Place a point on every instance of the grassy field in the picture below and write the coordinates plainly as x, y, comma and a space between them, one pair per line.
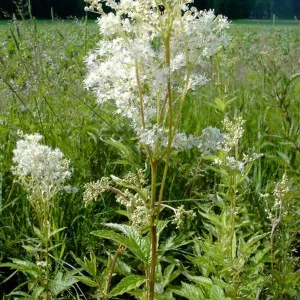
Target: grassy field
256, 77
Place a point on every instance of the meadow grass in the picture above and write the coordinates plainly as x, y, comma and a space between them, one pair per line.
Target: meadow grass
41, 90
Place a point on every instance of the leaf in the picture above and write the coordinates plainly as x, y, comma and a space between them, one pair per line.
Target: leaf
167, 295
87, 281
24, 266
126, 229
122, 268
167, 274
161, 225
111, 235
295, 76
31, 250
56, 231
38, 233
19, 293
284, 157
175, 241
139, 245
127, 284
211, 217
37, 292
216, 293
190, 292
204, 281
253, 240
129, 155
62, 282
88, 265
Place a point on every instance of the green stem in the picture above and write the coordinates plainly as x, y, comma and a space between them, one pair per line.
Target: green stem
155, 209
153, 262
46, 231
112, 267
153, 231
274, 226
233, 186
170, 127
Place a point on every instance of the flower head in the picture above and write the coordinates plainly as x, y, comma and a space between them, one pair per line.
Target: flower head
234, 131
130, 67
40, 167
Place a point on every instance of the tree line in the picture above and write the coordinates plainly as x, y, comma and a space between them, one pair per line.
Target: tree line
234, 9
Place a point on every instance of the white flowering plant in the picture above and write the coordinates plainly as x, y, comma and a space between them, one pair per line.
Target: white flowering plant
151, 55
42, 172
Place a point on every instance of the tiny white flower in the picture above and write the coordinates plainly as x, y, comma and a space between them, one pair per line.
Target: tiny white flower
217, 161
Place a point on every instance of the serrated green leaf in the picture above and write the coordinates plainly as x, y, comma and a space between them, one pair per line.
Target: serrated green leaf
30, 249
38, 233
88, 265
189, 291
136, 242
200, 280
62, 282
256, 238
122, 268
19, 293
24, 266
167, 295
87, 281
127, 284
111, 235
167, 274
24, 263
37, 292
216, 293
175, 241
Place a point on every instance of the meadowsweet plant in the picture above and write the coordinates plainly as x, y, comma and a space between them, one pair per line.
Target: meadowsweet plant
42, 172
233, 167
151, 55
283, 215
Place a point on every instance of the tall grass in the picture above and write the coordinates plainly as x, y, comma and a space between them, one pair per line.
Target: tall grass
41, 90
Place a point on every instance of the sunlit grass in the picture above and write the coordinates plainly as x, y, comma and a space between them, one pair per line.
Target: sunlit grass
41, 90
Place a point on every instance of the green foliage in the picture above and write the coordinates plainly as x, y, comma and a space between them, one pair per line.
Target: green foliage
41, 73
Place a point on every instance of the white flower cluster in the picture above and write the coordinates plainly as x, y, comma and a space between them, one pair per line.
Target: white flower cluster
39, 167
137, 208
92, 190
181, 216
210, 140
281, 189
133, 194
130, 68
234, 131
276, 209
239, 165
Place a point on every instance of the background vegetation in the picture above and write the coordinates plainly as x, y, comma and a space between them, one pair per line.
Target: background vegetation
234, 9
257, 77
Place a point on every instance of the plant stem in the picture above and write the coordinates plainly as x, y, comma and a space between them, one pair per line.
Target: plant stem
153, 262
153, 231
274, 226
112, 267
46, 231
